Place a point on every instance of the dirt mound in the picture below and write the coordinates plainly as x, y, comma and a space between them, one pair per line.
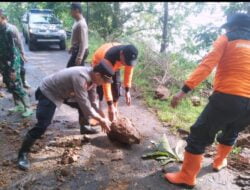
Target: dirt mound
70, 142
69, 156
124, 131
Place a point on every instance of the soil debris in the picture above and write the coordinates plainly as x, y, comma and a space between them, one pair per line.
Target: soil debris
68, 157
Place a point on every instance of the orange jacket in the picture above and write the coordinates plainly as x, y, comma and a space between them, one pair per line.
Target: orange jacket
232, 58
128, 70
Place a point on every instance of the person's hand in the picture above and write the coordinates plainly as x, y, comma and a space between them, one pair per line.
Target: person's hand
177, 98
105, 125
128, 98
13, 76
78, 61
24, 58
112, 113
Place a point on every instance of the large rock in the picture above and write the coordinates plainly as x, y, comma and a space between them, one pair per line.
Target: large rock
124, 131
162, 93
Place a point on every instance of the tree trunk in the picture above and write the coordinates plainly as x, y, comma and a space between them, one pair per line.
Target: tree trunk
116, 13
164, 32
87, 17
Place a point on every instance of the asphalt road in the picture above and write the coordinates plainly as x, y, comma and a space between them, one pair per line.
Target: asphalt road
96, 167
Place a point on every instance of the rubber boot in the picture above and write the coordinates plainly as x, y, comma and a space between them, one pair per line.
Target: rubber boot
23, 161
28, 112
220, 159
18, 108
190, 169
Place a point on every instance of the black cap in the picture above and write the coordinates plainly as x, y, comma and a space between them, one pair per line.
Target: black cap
76, 6
130, 53
237, 19
105, 70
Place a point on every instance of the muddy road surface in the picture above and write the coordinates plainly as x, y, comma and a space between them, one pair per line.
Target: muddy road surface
98, 163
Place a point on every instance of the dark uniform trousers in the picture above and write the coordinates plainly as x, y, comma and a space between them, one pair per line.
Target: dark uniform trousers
72, 59
44, 114
226, 113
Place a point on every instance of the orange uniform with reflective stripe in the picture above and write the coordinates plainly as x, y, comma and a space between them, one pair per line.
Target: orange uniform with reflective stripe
232, 59
128, 70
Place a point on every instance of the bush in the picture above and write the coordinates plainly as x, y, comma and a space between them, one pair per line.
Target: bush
170, 70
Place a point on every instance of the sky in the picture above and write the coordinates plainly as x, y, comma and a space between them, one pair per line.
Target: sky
206, 17
217, 18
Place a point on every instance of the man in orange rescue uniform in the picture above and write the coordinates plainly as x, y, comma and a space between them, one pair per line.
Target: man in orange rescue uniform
117, 56
228, 109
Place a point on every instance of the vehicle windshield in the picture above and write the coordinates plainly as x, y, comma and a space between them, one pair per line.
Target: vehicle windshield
43, 19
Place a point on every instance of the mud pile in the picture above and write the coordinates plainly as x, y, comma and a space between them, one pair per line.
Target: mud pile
124, 131
69, 156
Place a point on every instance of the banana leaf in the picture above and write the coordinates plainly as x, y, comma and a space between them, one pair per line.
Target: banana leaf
164, 162
154, 155
179, 150
163, 146
162, 158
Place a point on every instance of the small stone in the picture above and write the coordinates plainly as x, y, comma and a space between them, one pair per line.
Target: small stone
65, 172
196, 101
6, 163
86, 139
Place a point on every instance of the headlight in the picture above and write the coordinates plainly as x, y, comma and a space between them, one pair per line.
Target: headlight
61, 31
34, 30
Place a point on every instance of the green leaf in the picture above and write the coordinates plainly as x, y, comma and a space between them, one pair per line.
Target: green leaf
154, 155
164, 146
179, 150
164, 162
162, 158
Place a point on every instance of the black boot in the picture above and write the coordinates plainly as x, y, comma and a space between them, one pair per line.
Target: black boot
86, 129
23, 161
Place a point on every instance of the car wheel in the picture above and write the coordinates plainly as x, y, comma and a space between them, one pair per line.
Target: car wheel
62, 45
32, 46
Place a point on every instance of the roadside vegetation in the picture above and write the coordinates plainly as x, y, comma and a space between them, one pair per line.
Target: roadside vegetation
141, 23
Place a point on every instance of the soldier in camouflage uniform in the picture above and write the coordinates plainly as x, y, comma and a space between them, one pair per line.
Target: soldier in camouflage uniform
10, 67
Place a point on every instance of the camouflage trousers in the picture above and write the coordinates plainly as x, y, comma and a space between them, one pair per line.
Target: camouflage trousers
15, 87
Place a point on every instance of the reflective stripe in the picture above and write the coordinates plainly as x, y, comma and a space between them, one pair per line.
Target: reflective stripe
48, 40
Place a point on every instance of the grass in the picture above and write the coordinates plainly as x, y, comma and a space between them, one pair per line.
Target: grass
185, 114
94, 42
236, 150
181, 117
